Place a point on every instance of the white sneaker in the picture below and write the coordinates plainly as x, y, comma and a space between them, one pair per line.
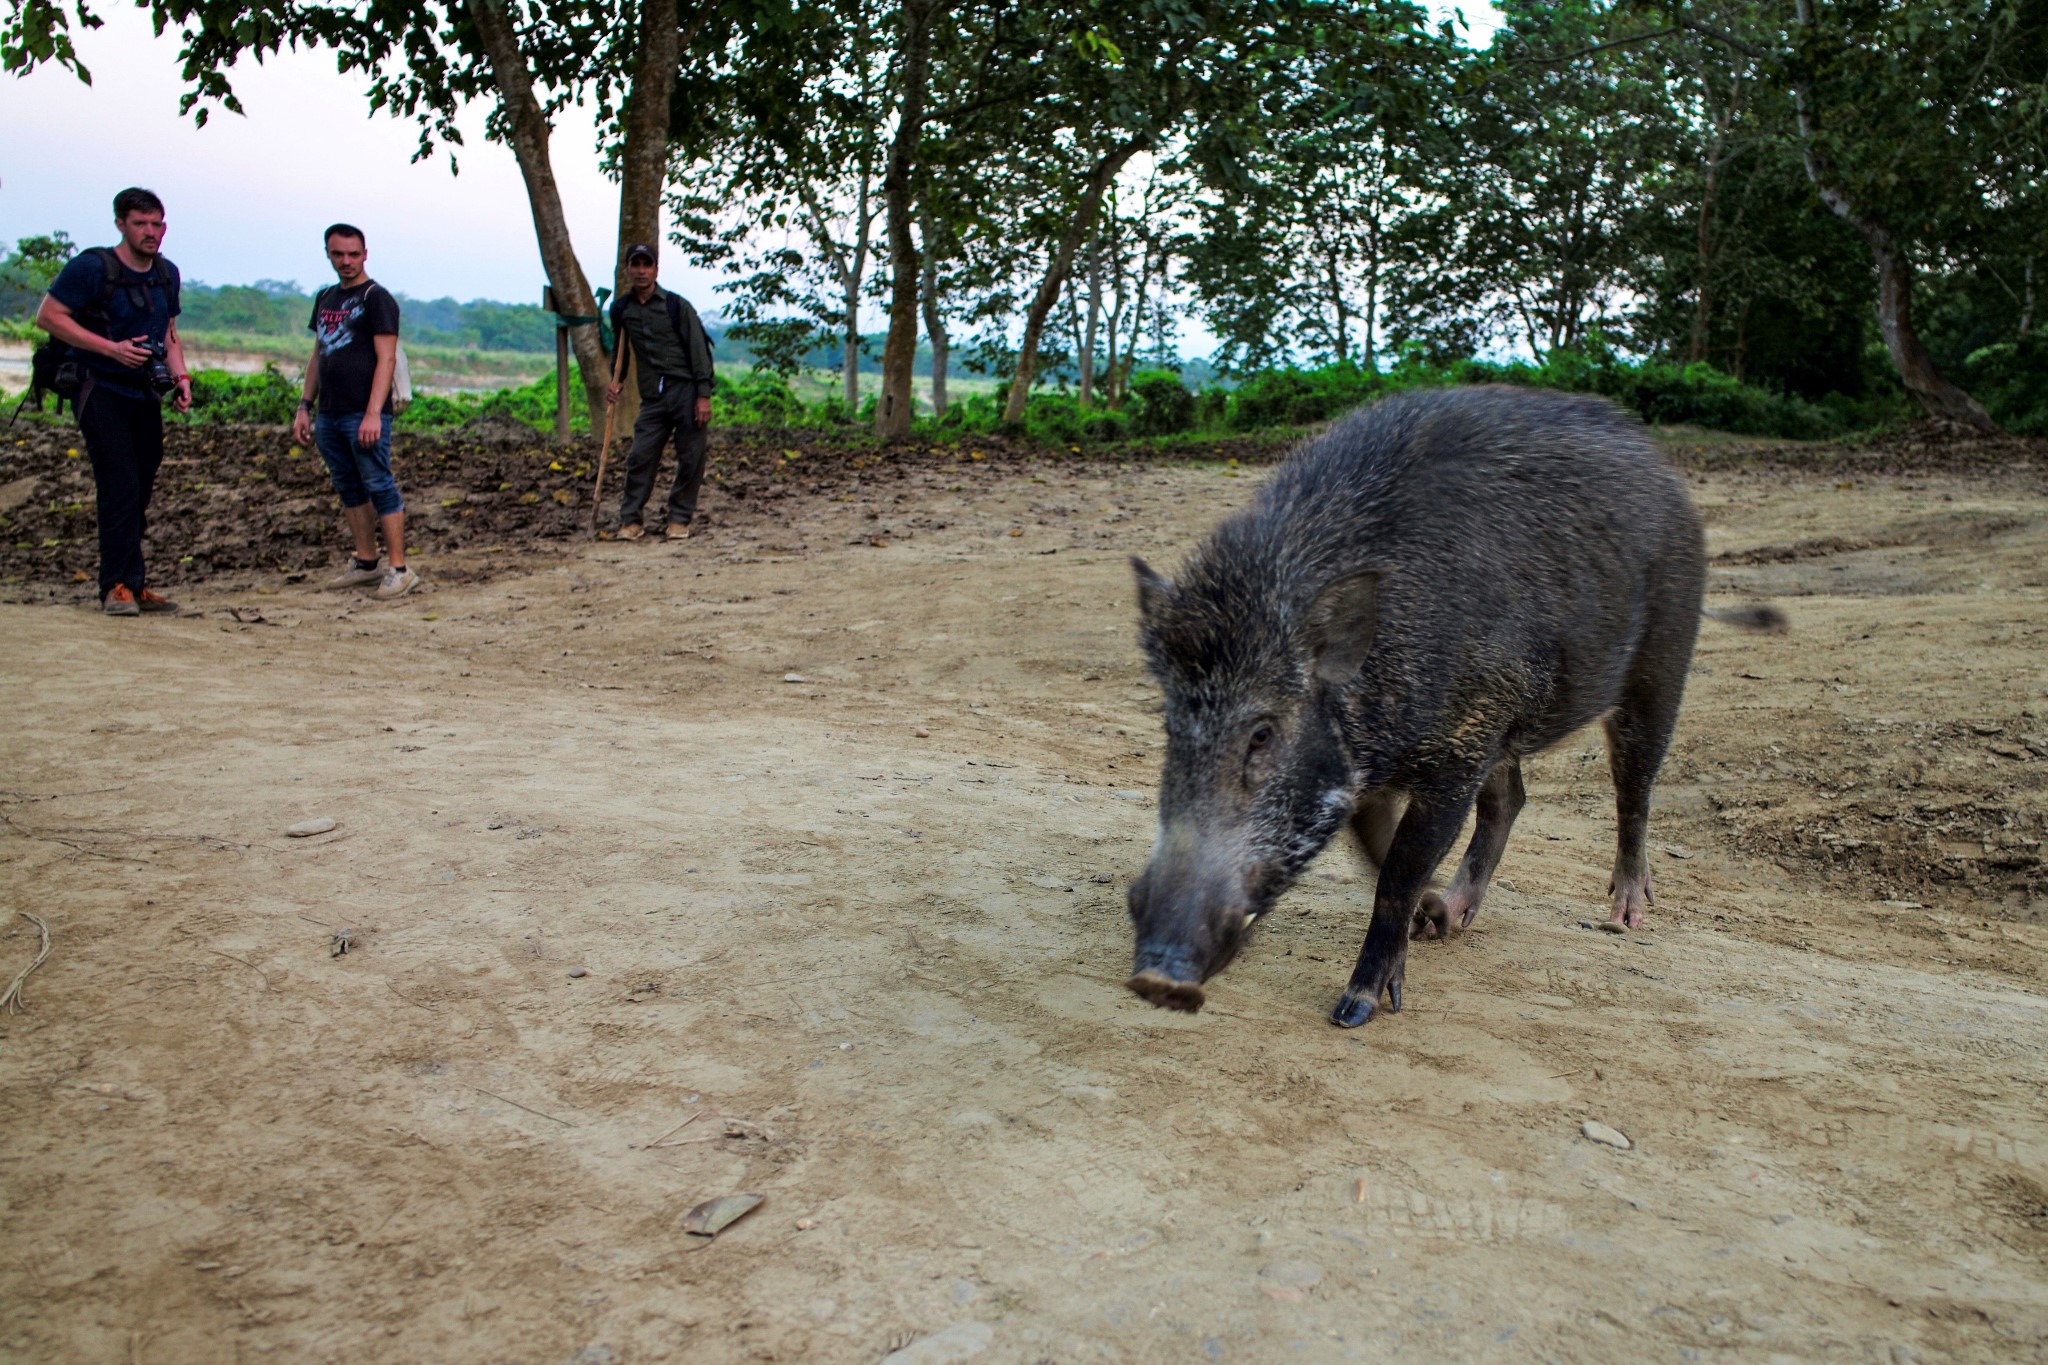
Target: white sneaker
352, 577
397, 583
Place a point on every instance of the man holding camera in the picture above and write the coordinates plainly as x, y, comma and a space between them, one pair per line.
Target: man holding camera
115, 307
355, 355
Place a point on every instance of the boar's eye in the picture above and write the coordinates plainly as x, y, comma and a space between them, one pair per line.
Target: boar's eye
1261, 736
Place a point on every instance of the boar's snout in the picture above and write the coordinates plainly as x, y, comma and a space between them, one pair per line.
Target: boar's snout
1166, 987
1188, 926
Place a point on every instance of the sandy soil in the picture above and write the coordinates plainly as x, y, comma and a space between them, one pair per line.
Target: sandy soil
791, 860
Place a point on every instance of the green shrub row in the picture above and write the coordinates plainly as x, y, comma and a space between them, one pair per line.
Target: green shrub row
1661, 392
270, 396
2010, 379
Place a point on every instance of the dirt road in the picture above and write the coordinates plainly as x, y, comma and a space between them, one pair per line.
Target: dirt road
791, 860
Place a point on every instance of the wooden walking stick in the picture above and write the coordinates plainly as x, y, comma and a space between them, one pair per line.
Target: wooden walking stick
611, 413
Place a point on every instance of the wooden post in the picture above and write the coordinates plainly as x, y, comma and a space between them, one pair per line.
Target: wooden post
547, 301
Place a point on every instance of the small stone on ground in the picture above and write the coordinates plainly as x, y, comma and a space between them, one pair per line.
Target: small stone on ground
305, 828
961, 1341
1595, 1131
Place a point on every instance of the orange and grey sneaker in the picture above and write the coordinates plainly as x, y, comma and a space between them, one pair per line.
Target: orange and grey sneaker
632, 530
120, 602
153, 603
678, 530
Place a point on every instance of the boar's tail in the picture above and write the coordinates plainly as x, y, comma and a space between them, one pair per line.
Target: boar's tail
1755, 616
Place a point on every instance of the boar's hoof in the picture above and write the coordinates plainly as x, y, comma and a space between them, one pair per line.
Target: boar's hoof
1433, 917
1354, 1009
1164, 991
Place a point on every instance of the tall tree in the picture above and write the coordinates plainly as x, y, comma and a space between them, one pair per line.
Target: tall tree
1919, 123
779, 176
527, 130
1550, 191
895, 409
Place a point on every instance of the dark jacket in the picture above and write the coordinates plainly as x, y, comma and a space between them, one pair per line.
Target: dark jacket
689, 331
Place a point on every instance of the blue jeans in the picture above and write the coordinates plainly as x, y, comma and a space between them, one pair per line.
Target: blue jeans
358, 472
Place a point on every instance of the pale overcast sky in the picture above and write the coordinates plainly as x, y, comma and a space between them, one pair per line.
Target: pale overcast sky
248, 196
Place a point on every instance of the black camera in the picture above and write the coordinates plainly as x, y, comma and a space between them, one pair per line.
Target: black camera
156, 370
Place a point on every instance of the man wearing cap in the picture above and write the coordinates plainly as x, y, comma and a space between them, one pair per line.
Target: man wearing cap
672, 359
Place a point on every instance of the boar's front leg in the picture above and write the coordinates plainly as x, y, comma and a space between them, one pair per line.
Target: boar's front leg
1501, 798
1425, 834
1373, 824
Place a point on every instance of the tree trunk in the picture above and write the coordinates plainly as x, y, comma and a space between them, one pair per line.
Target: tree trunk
899, 352
1110, 328
1937, 396
1137, 339
1078, 227
852, 272
527, 127
1930, 388
643, 162
934, 321
849, 359
1088, 327
1372, 299
1343, 313
1703, 295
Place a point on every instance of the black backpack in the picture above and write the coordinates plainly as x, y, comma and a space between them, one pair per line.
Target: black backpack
56, 368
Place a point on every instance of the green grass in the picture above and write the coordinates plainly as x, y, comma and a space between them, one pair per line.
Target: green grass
429, 363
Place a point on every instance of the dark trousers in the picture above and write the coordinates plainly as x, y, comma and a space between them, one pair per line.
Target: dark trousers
672, 414
125, 438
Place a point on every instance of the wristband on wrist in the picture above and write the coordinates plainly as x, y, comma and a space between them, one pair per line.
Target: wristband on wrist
305, 405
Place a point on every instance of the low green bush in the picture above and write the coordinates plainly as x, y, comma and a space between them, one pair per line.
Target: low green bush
1160, 404
2011, 381
1058, 419
1291, 397
266, 396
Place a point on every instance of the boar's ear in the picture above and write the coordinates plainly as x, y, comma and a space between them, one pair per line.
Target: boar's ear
1152, 589
1341, 626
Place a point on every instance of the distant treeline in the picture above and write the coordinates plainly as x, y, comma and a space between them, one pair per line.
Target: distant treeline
279, 308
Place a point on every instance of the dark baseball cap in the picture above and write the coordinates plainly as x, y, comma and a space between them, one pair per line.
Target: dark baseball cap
639, 249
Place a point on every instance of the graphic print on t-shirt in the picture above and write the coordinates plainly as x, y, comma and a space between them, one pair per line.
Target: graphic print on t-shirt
335, 327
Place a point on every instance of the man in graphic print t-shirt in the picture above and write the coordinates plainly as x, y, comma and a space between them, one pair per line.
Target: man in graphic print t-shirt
355, 355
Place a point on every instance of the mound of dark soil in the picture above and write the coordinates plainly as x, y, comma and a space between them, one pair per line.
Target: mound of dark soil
1916, 448
247, 500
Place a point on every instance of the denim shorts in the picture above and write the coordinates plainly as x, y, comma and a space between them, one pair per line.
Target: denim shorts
359, 473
